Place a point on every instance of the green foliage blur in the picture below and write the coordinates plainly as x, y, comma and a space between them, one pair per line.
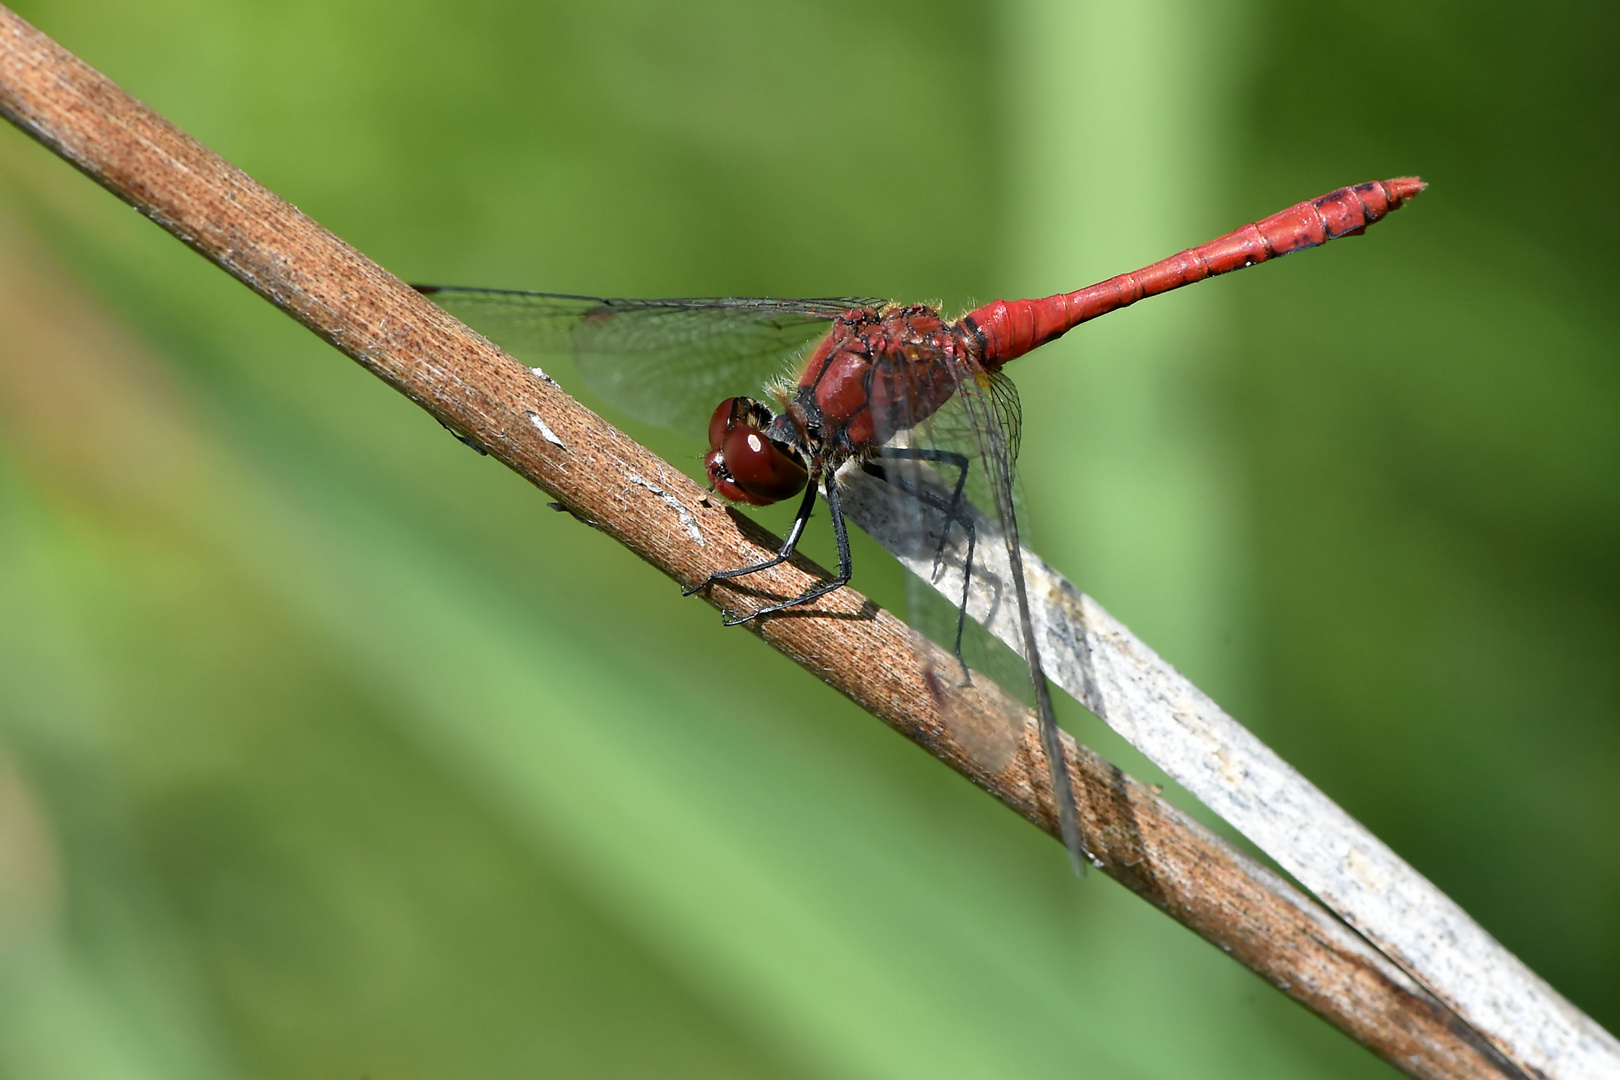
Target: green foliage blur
326, 749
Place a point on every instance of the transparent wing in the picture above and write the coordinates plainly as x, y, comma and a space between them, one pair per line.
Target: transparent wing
1002, 397
990, 404
967, 536
939, 513
983, 424
668, 362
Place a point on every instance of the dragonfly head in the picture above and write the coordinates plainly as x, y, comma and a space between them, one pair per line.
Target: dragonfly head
746, 465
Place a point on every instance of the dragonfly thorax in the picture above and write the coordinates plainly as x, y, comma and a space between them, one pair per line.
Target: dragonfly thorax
879, 373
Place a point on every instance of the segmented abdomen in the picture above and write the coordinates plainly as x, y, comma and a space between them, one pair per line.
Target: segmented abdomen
1009, 329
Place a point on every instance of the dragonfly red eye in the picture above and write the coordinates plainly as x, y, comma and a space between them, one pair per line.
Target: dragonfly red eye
744, 465
720, 423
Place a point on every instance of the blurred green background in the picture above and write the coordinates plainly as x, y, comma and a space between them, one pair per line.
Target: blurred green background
327, 750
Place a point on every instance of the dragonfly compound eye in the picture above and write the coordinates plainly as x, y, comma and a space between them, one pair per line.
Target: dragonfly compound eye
725, 416
749, 468
735, 412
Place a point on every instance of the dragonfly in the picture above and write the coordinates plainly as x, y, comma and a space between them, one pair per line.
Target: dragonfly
898, 391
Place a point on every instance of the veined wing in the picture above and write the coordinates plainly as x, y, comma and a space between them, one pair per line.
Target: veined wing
978, 432
981, 424
668, 362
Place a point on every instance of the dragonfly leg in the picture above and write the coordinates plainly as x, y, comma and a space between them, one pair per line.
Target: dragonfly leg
835, 511
952, 510
800, 519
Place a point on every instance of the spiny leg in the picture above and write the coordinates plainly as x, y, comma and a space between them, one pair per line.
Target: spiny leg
952, 512
835, 511
800, 519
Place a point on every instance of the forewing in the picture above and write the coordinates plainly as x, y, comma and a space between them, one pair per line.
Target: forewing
668, 362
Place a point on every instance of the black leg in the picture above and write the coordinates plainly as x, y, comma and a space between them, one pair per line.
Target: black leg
952, 511
800, 519
835, 511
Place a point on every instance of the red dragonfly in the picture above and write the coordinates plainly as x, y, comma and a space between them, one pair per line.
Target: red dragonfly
895, 390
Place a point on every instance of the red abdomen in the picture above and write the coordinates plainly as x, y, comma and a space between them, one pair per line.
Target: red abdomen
1009, 329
